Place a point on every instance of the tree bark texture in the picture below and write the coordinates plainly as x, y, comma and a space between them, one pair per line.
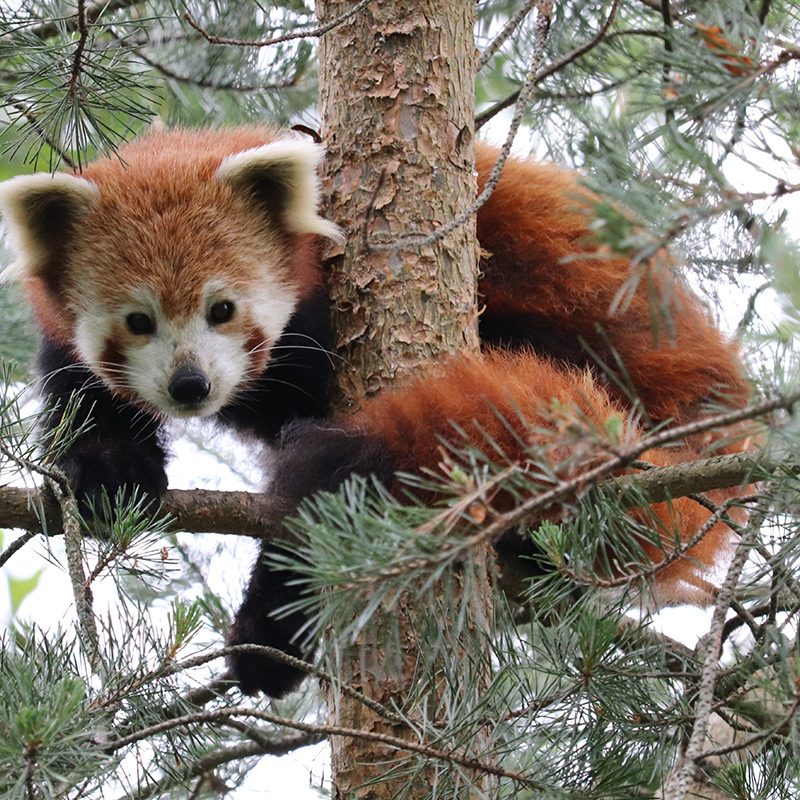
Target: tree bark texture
397, 106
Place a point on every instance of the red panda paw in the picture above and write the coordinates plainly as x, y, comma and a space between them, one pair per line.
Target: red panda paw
261, 621
106, 477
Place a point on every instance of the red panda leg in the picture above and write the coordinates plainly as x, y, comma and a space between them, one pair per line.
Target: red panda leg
512, 400
311, 457
118, 449
518, 401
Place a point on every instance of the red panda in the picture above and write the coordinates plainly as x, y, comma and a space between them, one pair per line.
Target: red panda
182, 277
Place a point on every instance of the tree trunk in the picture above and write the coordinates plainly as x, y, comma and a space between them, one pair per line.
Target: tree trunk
397, 118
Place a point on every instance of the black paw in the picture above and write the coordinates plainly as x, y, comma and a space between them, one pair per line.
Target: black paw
255, 624
103, 476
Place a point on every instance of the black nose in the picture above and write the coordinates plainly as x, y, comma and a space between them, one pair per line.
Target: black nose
189, 384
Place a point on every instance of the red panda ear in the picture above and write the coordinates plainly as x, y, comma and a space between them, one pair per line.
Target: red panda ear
40, 213
282, 177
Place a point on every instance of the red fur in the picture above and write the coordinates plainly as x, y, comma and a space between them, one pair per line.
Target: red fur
506, 403
542, 270
545, 268
162, 214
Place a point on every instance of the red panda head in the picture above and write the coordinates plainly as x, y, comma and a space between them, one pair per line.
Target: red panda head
173, 268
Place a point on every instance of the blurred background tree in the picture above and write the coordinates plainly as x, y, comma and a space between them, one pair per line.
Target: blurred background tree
685, 119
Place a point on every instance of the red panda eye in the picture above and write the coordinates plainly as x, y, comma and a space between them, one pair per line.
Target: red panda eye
221, 312
140, 324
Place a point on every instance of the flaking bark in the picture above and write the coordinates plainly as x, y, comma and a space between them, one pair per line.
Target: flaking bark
396, 96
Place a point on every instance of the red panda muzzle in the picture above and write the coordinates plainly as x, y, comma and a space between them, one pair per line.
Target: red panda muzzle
189, 385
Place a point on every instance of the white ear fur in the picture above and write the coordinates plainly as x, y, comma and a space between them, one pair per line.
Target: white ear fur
284, 172
38, 211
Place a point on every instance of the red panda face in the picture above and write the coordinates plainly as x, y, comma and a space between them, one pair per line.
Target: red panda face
173, 270
186, 363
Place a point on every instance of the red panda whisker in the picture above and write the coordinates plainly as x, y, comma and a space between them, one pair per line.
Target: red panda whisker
332, 355
318, 345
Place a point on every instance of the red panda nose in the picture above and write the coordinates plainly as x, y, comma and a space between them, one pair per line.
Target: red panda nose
189, 384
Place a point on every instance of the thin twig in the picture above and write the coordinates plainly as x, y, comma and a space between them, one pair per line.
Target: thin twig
50, 473
30, 768
77, 61
402, 745
302, 33
210, 761
744, 617
756, 737
81, 591
42, 133
749, 312
205, 83
653, 569
195, 793
511, 25
681, 778
655, 5
226, 681
16, 545
556, 66
296, 663
52, 27
666, 89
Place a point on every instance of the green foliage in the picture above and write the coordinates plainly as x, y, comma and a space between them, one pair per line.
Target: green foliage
20, 588
70, 94
48, 727
16, 332
685, 119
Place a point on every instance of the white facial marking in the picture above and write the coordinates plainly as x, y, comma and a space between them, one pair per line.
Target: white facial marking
220, 351
271, 306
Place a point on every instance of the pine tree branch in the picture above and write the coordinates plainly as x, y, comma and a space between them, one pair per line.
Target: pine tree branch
207, 83
301, 33
246, 513
197, 510
77, 61
666, 483
680, 781
43, 134
220, 716
275, 654
53, 27
556, 66
265, 745
510, 27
